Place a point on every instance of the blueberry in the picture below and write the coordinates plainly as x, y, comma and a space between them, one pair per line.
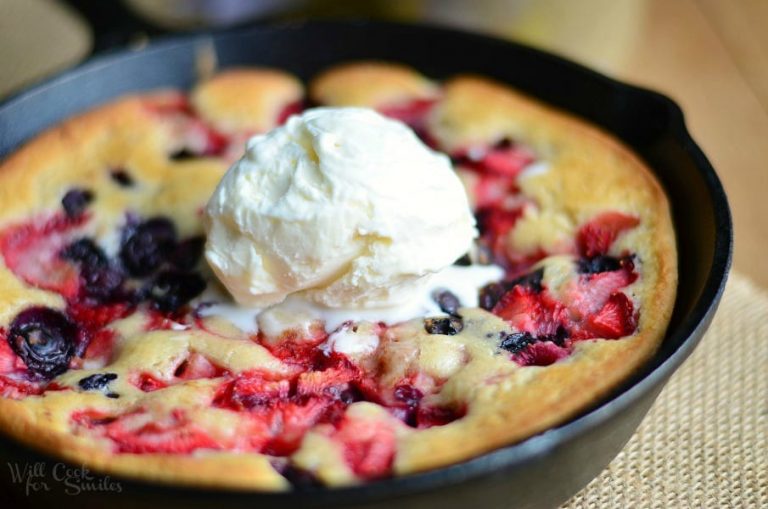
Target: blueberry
596, 264
300, 479
121, 177
99, 280
85, 251
490, 295
172, 289
102, 284
531, 280
97, 381
447, 325
147, 245
515, 341
183, 154
76, 201
558, 338
187, 253
44, 339
447, 301
350, 395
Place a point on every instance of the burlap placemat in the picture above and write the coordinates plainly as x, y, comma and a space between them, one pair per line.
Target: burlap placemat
704, 443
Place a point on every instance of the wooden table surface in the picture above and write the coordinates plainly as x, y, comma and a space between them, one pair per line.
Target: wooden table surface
709, 55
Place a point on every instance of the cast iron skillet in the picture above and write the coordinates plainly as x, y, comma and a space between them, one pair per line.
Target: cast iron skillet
543, 471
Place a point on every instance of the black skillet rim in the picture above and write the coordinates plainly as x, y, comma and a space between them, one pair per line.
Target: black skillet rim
688, 333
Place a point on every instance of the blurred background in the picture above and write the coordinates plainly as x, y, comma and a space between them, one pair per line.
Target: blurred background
709, 55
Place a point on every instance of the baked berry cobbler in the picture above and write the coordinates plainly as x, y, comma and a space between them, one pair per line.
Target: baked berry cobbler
121, 349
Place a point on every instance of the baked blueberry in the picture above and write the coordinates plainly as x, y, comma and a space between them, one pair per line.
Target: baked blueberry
76, 201
447, 325
121, 177
447, 301
97, 381
147, 245
172, 289
44, 339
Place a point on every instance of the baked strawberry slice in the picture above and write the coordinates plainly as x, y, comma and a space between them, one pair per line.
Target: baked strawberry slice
252, 389
614, 320
197, 366
288, 422
507, 159
94, 317
492, 190
9, 361
369, 446
147, 382
290, 109
589, 292
495, 224
428, 416
542, 353
100, 346
140, 433
16, 387
31, 251
297, 347
530, 311
598, 235
331, 382
412, 113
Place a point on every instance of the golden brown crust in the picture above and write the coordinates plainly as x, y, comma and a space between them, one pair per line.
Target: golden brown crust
247, 100
588, 172
370, 84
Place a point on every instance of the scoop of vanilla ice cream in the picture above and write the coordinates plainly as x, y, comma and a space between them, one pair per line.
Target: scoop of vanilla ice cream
342, 205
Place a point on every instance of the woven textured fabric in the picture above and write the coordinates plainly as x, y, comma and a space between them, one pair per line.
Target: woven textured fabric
704, 443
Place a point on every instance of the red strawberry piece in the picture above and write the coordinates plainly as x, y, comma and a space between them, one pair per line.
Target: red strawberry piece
428, 416
495, 224
31, 251
412, 112
295, 348
614, 320
147, 382
197, 366
289, 109
252, 389
12, 387
216, 142
93, 318
139, 433
289, 422
598, 235
9, 361
369, 446
90, 418
100, 346
542, 353
589, 292
492, 190
531, 311
506, 160
328, 382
